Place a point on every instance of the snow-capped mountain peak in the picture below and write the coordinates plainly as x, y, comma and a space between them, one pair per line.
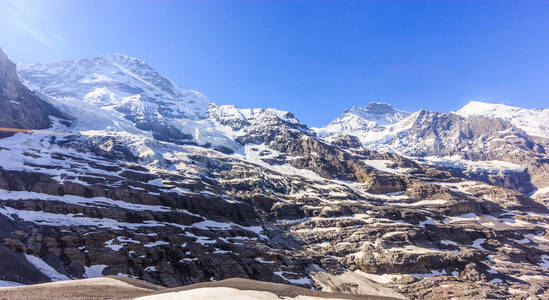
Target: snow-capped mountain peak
370, 123
109, 80
532, 121
378, 112
119, 94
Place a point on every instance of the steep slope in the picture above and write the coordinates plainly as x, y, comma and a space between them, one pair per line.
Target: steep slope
482, 144
117, 94
372, 124
532, 121
21, 109
481, 148
282, 206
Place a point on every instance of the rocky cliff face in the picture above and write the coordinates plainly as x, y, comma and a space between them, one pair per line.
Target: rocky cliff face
261, 197
477, 147
21, 109
532, 121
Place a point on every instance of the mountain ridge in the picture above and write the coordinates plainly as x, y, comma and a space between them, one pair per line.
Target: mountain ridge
279, 203
529, 120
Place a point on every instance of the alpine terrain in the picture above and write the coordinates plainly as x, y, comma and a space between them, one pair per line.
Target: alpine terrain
116, 170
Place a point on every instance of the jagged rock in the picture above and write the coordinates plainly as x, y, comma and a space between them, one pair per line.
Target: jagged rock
21, 109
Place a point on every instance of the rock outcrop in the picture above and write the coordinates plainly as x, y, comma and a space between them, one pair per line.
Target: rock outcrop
21, 109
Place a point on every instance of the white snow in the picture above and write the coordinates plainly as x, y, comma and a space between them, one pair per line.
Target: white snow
428, 221
544, 261
415, 249
456, 161
203, 240
72, 199
433, 273
219, 251
150, 269
524, 241
541, 192
300, 280
371, 124
261, 260
382, 165
113, 247
425, 202
461, 218
533, 121
94, 271
127, 240
45, 269
208, 224
155, 244
103, 91
371, 134
477, 244
448, 242
50, 219
4, 283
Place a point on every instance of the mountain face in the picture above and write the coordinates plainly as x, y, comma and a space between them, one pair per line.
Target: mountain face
255, 193
532, 121
371, 124
374, 114
117, 93
21, 109
478, 147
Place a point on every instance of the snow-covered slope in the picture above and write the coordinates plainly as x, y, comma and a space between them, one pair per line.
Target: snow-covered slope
373, 125
534, 122
120, 95
115, 80
124, 98
481, 138
372, 117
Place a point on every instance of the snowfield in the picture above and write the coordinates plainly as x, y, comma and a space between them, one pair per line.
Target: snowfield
533, 121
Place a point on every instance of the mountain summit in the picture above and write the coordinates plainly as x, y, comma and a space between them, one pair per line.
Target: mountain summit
378, 112
532, 121
115, 80
368, 123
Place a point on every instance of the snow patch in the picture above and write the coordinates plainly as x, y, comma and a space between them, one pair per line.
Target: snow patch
94, 271
44, 268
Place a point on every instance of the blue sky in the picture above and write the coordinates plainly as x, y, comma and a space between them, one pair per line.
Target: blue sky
314, 58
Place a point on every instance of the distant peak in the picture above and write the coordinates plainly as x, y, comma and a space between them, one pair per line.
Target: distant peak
482, 106
482, 103
379, 106
376, 104
374, 108
479, 108
531, 120
377, 112
120, 56
122, 59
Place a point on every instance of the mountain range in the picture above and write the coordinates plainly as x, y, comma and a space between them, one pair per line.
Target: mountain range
136, 176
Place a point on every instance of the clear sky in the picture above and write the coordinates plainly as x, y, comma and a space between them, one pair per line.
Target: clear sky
314, 58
